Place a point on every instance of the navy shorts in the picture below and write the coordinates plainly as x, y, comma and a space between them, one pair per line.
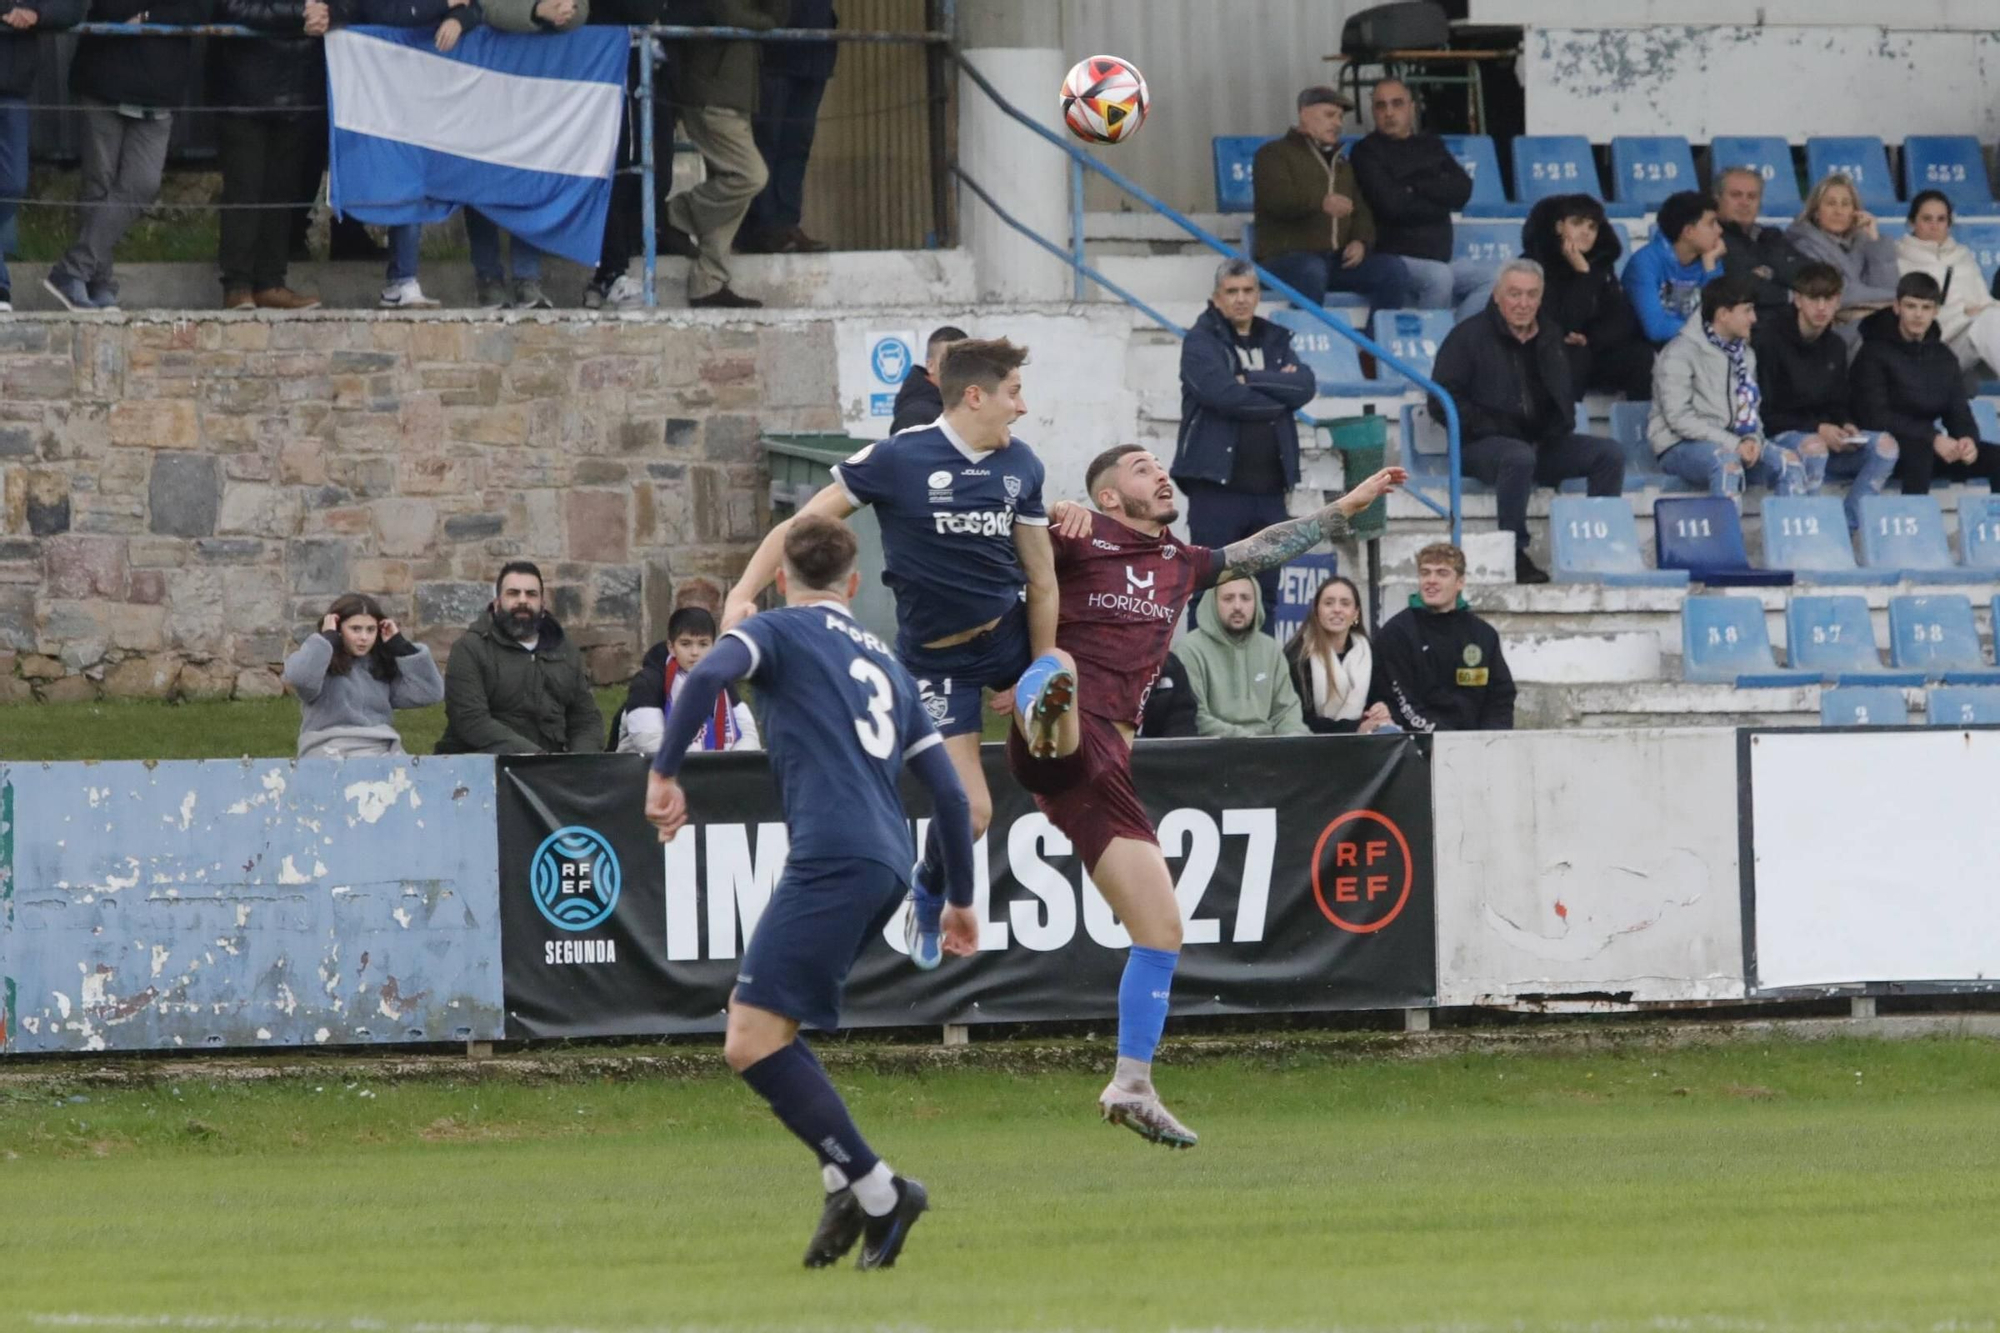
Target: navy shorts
951, 680
821, 916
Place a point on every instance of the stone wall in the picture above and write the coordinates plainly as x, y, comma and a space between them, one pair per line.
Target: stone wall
180, 499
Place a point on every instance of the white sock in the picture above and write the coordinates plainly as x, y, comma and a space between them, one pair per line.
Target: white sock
834, 1178
877, 1191
1134, 1075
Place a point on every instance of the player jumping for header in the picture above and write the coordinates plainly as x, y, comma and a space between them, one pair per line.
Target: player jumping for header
843, 718
1125, 580
963, 530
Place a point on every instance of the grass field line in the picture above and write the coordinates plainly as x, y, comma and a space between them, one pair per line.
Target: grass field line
1657, 1324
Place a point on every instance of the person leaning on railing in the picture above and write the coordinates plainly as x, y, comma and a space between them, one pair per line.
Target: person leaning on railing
490, 276
19, 59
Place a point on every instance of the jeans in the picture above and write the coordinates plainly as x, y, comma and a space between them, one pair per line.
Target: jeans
13, 175
483, 233
1462, 286
1721, 469
1379, 278
787, 115
1513, 468
1918, 465
259, 156
403, 251
122, 161
1867, 465
1219, 515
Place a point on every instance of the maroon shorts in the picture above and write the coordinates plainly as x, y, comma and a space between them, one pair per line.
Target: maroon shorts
1088, 794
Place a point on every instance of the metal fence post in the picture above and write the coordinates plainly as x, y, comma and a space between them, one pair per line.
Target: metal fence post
1076, 225
648, 223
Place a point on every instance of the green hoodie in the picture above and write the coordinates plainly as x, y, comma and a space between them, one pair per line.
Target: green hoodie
1240, 682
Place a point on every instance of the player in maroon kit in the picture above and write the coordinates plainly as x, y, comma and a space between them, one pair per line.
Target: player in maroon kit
1124, 580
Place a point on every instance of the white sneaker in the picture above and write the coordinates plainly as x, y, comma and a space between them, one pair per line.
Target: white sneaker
1142, 1112
627, 293
6, 307
405, 295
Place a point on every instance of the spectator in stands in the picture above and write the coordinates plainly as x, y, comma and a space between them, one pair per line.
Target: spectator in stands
1170, 708
19, 59
1968, 318
919, 402
126, 90
1313, 228
1332, 666
1752, 250
642, 722
515, 683
1508, 371
1906, 381
794, 79
1835, 229
1438, 667
611, 285
1705, 424
1413, 185
491, 282
1802, 374
350, 711
1237, 453
1577, 247
1665, 276
281, 80
1237, 673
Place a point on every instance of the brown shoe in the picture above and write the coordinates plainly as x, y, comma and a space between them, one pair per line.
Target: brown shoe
806, 245
284, 298
238, 298
722, 298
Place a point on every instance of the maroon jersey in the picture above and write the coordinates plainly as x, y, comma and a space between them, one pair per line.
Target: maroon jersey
1122, 594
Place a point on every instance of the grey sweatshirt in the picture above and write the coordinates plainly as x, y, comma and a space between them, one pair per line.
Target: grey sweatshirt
357, 707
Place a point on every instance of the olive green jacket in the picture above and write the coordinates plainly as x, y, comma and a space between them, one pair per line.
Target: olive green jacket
721, 73
499, 698
1291, 178
519, 16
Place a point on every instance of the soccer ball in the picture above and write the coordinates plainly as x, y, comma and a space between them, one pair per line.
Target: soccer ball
1104, 99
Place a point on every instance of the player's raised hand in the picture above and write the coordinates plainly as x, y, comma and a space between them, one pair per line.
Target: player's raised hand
961, 931
1373, 489
1070, 519
735, 613
666, 805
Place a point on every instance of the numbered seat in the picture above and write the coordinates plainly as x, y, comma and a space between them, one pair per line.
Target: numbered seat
1905, 533
1833, 636
1476, 154
1704, 535
1982, 237
1962, 706
1486, 242
1979, 532
1724, 642
1863, 706
1934, 635
1595, 540
1235, 186
1546, 164
1808, 535
1862, 159
1646, 168
1334, 361
1952, 164
1410, 335
1770, 157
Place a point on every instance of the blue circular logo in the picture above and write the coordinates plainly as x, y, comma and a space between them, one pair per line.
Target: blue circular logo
891, 358
575, 878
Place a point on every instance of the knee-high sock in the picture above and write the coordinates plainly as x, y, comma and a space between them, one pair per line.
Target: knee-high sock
1142, 1001
804, 1099
930, 871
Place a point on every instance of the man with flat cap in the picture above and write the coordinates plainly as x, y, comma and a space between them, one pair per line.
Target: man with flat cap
1313, 228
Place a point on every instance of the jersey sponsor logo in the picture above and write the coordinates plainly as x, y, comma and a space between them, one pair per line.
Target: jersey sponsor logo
1136, 585
1472, 675
977, 523
1143, 607
940, 480
575, 878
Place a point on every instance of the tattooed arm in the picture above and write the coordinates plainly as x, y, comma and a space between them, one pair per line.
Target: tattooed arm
1277, 544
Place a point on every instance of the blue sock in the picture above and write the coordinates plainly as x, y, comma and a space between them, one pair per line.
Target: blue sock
1143, 993
804, 1099
930, 871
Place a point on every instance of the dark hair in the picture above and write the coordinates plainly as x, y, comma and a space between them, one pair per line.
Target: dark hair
696, 620
1818, 279
1726, 293
1540, 242
1094, 474
381, 662
516, 567
820, 550
981, 361
1922, 197
1919, 287
1680, 211
949, 333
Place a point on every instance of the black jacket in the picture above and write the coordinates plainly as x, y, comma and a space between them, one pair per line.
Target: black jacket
1592, 303
137, 71
804, 60
1214, 406
1504, 386
1171, 707
1442, 671
281, 72
19, 58
1804, 383
406, 13
1413, 186
918, 401
1905, 388
1767, 248
1302, 682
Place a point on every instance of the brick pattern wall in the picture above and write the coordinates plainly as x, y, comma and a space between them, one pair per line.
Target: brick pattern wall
180, 500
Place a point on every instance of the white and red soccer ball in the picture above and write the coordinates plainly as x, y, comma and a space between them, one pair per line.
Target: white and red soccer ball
1104, 99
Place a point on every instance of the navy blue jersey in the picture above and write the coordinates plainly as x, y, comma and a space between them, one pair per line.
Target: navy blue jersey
947, 513
841, 715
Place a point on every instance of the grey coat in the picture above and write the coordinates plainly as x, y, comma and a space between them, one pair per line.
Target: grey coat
1867, 268
356, 705
1691, 392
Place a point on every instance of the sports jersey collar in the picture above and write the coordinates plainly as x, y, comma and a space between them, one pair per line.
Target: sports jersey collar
966, 451
832, 605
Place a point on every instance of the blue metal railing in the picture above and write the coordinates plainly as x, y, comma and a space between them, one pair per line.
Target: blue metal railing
1074, 257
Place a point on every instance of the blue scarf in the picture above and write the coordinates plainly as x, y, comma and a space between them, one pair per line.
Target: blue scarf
1744, 395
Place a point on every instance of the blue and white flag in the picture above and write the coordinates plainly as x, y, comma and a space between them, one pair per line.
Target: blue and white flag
523, 127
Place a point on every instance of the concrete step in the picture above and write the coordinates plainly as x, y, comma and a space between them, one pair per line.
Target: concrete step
1549, 706
1156, 228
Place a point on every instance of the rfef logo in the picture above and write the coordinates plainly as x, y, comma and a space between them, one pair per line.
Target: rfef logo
1362, 871
575, 878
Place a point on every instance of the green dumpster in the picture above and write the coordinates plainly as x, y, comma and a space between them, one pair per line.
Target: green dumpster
801, 465
1364, 444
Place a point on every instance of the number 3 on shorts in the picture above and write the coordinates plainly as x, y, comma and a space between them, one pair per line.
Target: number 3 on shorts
877, 730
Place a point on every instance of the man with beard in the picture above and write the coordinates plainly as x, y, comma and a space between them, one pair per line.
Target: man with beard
515, 684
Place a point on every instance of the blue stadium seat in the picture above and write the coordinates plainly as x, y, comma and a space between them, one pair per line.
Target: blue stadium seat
1863, 706
1935, 635
1646, 168
1962, 706
1413, 335
1770, 157
1905, 533
1863, 159
1808, 535
1834, 636
1594, 540
1235, 186
1546, 164
1979, 532
1489, 193
1986, 419
1488, 242
1952, 163
1642, 465
1334, 361
1723, 641
1704, 535
1983, 239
